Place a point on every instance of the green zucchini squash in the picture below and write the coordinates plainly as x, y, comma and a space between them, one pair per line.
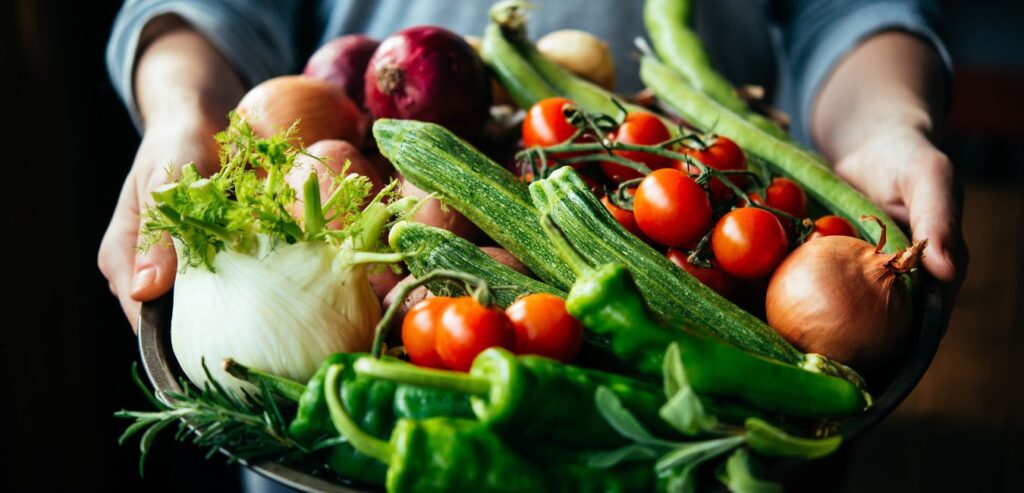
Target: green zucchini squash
435, 160
435, 248
523, 84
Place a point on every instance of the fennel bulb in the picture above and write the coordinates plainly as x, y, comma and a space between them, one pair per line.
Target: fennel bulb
274, 292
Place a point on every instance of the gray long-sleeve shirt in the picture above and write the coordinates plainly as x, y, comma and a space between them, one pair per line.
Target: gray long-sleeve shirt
788, 46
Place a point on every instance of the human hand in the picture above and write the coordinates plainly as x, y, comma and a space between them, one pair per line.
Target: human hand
135, 276
899, 169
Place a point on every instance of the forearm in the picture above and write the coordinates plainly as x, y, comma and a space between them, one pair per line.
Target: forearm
892, 80
181, 79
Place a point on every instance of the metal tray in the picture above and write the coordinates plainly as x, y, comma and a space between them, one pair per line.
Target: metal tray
164, 374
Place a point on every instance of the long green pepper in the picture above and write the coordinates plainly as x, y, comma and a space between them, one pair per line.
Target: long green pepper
531, 397
375, 404
450, 454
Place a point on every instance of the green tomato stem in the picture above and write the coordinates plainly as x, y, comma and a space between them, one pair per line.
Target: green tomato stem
478, 286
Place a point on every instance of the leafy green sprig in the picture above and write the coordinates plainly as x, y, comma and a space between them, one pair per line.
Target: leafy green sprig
249, 198
250, 427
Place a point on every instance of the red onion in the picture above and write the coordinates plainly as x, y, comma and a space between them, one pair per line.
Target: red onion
841, 297
430, 74
342, 62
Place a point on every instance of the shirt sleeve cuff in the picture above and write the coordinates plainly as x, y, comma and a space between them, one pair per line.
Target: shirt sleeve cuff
845, 35
256, 53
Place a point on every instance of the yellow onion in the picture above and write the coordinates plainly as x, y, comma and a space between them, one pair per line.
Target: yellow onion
581, 53
843, 298
323, 110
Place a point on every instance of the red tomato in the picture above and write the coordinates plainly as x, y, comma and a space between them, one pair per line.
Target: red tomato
714, 278
723, 155
624, 217
544, 327
466, 328
785, 195
671, 209
545, 124
418, 331
749, 242
639, 128
832, 226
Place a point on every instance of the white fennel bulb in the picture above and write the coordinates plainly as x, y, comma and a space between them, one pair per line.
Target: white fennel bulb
255, 284
282, 312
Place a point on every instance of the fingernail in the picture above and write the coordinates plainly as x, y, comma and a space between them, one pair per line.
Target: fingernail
144, 279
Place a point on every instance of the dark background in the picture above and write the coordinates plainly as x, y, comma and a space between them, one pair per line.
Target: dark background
66, 349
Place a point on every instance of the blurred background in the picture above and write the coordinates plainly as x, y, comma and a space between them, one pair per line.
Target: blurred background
66, 349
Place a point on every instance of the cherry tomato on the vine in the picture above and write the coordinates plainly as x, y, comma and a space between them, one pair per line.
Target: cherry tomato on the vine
640, 128
715, 277
722, 154
671, 209
749, 242
466, 328
543, 327
832, 226
624, 217
418, 334
785, 195
545, 124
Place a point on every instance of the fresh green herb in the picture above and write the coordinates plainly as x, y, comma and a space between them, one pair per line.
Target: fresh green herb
250, 427
248, 198
683, 410
739, 474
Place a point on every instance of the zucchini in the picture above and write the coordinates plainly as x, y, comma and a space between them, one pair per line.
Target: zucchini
783, 157
669, 290
667, 23
439, 249
435, 160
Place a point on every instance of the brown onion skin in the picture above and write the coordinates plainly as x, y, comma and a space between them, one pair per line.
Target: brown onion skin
342, 62
324, 111
429, 74
835, 296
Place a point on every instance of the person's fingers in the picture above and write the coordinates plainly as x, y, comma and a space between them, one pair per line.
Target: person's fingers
934, 215
155, 268
117, 250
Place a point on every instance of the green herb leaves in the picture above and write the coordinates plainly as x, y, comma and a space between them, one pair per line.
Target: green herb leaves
247, 198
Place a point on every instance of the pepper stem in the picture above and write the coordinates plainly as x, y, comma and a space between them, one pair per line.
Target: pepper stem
360, 440
477, 286
282, 386
423, 377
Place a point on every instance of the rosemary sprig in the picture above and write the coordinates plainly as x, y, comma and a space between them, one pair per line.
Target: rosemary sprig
247, 428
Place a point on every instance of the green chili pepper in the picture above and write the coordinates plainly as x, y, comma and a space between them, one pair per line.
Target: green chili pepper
450, 454
533, 397
606, 300
375, 403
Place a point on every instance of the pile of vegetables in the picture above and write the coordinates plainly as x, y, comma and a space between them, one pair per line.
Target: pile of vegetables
674, 305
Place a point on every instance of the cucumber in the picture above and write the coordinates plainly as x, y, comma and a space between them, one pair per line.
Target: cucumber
783, 157
435, 160
670, 291
440, 249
